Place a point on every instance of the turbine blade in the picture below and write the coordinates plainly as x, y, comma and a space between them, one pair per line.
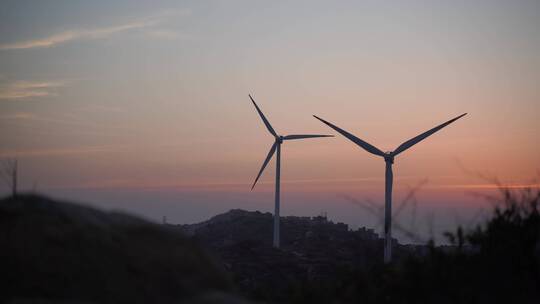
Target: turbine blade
302, 136
368, 147
266, 123
411, 142
268, 157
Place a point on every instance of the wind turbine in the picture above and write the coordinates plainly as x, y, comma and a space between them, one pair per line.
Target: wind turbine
389, 159
276, 146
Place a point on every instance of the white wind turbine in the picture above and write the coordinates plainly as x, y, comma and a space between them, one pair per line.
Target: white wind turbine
389, 159
276, 146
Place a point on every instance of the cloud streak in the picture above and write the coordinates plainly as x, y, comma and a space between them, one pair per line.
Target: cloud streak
29, 89
18, 116
96, 33
57, 151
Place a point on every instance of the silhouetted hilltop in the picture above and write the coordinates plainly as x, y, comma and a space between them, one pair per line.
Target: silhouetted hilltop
58, 251
313, 249
239, 225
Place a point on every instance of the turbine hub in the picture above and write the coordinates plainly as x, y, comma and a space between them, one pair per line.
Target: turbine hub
279, 139
389, 157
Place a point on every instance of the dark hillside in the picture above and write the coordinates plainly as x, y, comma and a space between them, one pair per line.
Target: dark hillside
65, 252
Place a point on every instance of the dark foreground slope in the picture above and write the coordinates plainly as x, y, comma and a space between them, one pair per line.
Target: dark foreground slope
62, 252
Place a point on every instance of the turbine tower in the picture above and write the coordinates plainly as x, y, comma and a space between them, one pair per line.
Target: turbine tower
276, 146
389, 159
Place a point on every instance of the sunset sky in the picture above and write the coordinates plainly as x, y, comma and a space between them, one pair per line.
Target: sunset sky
143, 106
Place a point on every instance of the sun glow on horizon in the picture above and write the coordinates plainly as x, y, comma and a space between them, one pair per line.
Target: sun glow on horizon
99, 99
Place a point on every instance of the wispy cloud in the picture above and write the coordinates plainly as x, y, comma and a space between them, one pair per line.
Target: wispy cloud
49, 152
29, 89
18, 116
163, 34
156, 184
96, 33
516, 185
75, 123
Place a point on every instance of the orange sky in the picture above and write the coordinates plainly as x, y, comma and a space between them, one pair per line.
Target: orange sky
156, 96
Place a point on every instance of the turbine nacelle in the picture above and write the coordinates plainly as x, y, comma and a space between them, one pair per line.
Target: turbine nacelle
389, 157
